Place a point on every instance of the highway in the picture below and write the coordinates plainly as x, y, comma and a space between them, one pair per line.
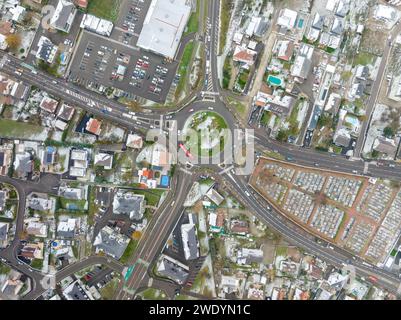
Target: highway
167, 215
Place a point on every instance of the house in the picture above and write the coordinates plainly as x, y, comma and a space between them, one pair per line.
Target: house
145, 177
66, 112
287, 19
18, 13
284, 50
105, 160
12, 91
23, 164
40, 202
46, 50
93, 126
36, 229
385, 146
64, 15
32, 251
48, 104
66, 228
3, 199
72, 193
173, 269
239, 226
97, 25
77, 291
303, 62
337, 26
111, 242
13, 285
247, 256
342, 8
134, 141
214, 196
6, 158
318, 21
47, 156
81, 3
4, 227
362, 72
129, 204
281, 106
244, 56
190, 240
342, 138
80, 161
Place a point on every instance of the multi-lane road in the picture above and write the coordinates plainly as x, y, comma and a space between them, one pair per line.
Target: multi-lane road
168, 214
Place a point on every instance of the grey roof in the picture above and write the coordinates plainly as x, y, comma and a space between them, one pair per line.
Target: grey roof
2, 199
171, 270
67, 10
342, 9
111, 242
3, 231
342, 140
24, 164
77, 293
262, 28
338, 26
191, 242
2, 159
46, 50
318, 21
362, 72
129, 204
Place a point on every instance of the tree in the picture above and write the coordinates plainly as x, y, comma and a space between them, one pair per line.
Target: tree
13, 41
136, 235
388, 132
282, 135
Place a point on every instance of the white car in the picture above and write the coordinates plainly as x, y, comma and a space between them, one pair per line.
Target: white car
210, 108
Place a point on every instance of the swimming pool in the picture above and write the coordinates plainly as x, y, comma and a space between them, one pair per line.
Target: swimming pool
300, 23
274, 81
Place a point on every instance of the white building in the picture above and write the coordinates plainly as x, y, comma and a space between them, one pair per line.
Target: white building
163, 26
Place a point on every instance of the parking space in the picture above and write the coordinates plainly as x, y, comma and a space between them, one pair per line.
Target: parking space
101, 63
129, 24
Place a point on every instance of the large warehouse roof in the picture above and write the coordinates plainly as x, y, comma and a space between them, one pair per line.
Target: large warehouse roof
163, 26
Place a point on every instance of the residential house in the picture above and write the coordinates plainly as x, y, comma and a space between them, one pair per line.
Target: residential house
105, 160
64, 15
46, 50
173, 269
129, 204
111, 242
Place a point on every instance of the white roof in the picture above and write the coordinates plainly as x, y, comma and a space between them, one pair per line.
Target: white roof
287, 18
163, 26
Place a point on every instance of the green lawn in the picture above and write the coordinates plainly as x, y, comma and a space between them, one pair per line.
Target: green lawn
240, 107
183, 68
153, 294
19, 130
37, 264
129, 251
225, 21
363, 58
281, 251
108, 291
4, 269
193, 23
152, 197
105, 9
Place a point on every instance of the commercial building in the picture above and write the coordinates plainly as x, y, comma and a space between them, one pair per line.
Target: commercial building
163, 26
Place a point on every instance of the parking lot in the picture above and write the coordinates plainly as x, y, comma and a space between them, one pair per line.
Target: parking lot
100, 63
